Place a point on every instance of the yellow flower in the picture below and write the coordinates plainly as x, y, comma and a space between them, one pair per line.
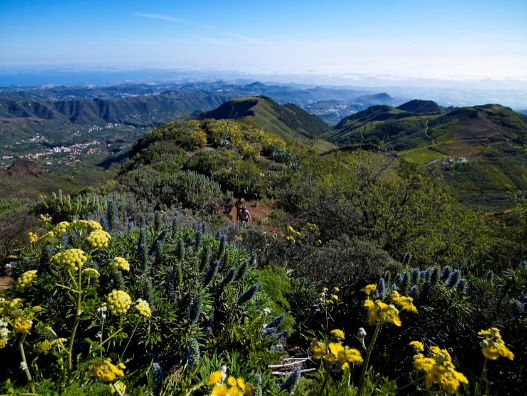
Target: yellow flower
36, 309
318, 348
15, 303
231, 381
98, 239
439, 369
143, 308
3, 343
493, 346
45, 218
94, 225
119, 302
61, 228
72, 259
406, 303
119, 385
22, 325
44, 346
381, 312
91, 273
219, 390
335, 298
121, 262
32, 237
106, 370
337, 334
369, 288
241, 383
417, 345
215, 377
26, 279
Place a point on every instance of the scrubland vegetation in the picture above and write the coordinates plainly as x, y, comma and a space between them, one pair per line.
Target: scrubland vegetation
367, 277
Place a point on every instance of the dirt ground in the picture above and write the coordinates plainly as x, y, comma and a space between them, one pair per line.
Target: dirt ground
5, 282
259, 212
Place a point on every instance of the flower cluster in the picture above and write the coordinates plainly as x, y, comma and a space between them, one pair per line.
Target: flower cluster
119, 302
143, 308
45, 218
329, 298
61, 228
32, 237
71, 259
91, 273
380, 312
26, 279
80, 224
232, 387
438, 368
106, 370
22, 325
121, 262
493, 346
334, 352
98, 239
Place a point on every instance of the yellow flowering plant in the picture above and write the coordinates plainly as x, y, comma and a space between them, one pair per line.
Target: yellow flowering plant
437, 367
335, 357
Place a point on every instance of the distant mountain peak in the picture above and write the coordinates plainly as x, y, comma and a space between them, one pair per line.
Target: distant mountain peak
419, 106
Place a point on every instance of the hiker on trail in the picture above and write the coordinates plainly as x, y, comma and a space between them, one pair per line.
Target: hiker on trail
245, 216
240, 203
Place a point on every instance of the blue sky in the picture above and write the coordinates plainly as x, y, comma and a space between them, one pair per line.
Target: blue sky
450, 39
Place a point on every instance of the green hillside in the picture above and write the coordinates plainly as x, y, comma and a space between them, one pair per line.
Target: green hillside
288, 120
479, 148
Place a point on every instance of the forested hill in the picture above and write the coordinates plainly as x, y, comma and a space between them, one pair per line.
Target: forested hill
287, 120
137, 111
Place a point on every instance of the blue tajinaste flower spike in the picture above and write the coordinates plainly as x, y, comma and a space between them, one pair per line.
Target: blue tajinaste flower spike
291, 381
211, 273
381, 288
157, 379
130, 225
276, 322
241, 270
434, 275
423, 276
65, 240
248, 294
158, 221
399, 279
415, 276
104, 223
197, 240
453, 279
413, 291
445, 273
229, 276
205, 258
193, 353
195, 309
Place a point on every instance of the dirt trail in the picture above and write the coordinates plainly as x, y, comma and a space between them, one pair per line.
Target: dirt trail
259, 212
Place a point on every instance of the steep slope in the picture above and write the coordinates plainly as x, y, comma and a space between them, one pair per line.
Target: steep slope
287, 120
